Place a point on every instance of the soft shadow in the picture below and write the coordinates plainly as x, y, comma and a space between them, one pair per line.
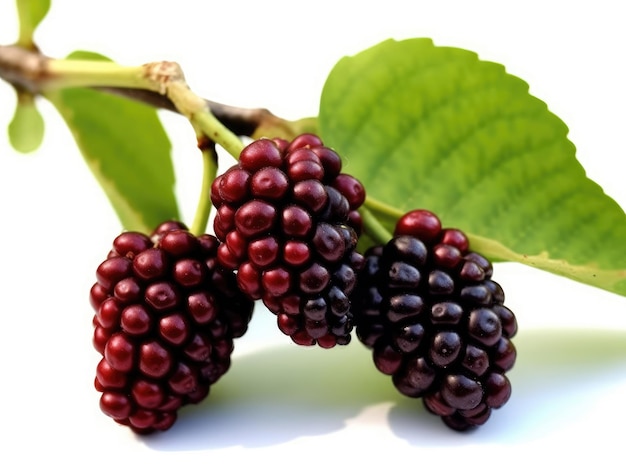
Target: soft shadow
558, 374
277, 395
285, 392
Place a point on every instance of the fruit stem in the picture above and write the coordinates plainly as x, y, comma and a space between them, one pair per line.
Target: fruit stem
385, 210
209, 171
199, 114
373, 227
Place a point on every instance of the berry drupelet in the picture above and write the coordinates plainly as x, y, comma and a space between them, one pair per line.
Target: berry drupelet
166, 316
436, 321
288, 221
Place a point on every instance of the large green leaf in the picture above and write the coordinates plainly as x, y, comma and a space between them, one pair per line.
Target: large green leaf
126, 148
434, 127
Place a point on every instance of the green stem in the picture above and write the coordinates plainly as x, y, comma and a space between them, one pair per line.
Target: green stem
88, 73
383, 209
215, 130
166, 78
209, 171
373, 227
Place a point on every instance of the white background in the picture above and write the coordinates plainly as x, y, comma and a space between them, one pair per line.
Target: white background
282, 403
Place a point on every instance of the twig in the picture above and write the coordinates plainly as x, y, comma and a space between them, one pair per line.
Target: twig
30, 71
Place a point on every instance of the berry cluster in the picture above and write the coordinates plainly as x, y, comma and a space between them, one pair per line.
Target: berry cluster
166, 316
436, 321
288, 221
287, 225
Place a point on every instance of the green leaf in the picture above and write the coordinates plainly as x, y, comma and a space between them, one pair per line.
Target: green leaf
26, 129
434, 127
30, 13
127, 150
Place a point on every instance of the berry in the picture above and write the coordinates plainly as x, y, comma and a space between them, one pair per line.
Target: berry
427, 307
288, 221
166, 316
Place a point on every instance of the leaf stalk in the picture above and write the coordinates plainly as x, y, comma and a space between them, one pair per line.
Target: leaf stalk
373, 227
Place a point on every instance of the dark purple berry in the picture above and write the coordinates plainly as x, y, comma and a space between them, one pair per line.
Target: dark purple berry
435, 320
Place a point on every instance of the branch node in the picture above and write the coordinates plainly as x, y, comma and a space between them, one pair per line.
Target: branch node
162, 73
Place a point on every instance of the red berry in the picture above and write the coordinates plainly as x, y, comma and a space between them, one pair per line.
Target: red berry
422, 224
255, 218
269, 183
264, 153
234, 185
131, 243
166, 316
351, 188
113, 270
455, 237
288, 232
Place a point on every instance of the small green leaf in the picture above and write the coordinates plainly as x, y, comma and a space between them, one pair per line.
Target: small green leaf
26, 129
126, 148
86, 55
434, 127
30, 14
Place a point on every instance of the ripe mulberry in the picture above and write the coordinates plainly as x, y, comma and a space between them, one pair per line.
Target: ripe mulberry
166, 316
288, 221
436, 321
